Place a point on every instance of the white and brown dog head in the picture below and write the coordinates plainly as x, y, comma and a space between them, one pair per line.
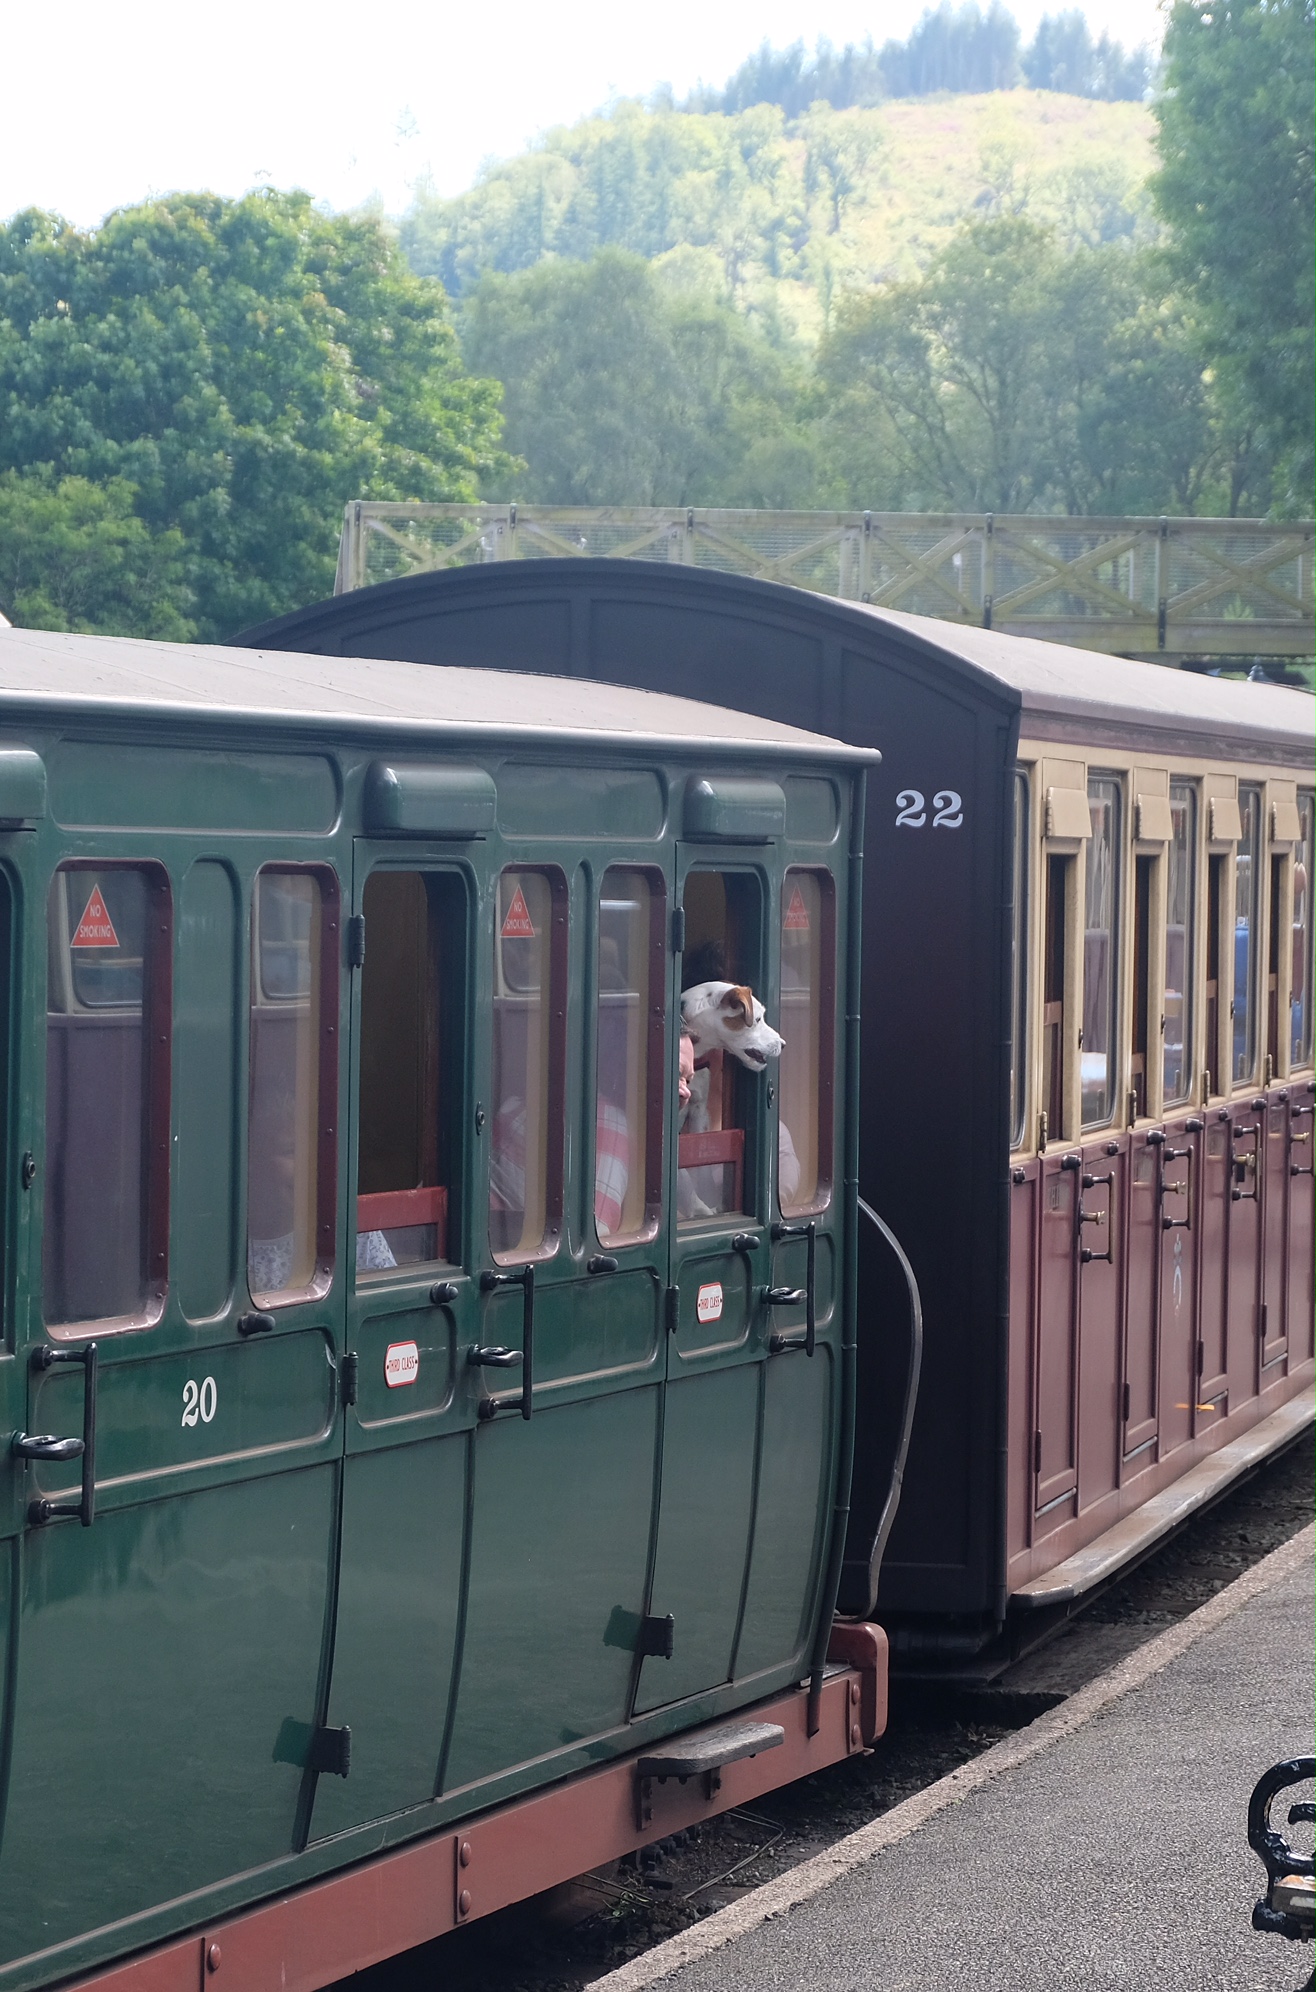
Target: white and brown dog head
727, 1016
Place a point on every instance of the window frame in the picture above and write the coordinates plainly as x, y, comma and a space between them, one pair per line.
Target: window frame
1304, 854
450, 926
825, 1187
1114, 779
555, 1094
1020, 978
1260, 879
654, 1039
326, 1144
157, 1026
1183, 790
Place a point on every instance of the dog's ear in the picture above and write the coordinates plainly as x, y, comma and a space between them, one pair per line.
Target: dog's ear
737, 1006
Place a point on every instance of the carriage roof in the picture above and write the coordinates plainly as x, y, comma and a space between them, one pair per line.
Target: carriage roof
123, 676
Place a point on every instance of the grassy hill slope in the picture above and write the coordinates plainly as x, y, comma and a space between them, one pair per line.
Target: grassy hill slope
778, 216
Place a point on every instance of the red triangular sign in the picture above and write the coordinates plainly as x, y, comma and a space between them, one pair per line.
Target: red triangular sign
797, 914
517, 924
95, 928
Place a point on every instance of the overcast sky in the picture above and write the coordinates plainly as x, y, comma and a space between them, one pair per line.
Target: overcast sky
101, 105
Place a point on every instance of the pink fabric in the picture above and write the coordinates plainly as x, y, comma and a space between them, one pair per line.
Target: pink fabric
612, 1167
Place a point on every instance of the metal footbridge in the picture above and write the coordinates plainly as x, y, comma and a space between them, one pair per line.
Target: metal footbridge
1172, 590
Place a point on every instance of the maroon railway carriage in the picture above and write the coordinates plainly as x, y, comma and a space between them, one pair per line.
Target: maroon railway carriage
1087, 1073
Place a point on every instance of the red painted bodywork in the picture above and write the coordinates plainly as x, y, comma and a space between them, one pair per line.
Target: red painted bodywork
305, 1940
1123, 1375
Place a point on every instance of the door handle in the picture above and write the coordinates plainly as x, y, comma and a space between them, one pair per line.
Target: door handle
791, 1296
602, 1262
44, 1445
41, 1509
1184, 1189
495, 1356
511, 1400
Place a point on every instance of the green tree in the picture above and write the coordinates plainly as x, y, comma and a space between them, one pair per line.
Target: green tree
1236, 187
74, 555
618, 392
246, 367
1015, 376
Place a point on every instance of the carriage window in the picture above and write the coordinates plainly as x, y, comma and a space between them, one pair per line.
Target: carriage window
628, 1146
808, 970
1215, 899
1177, 1004
292, 1083
1019, 964
109, 944
1142, 1006
1097, 1054
724, 924
1055, 951
408, 1089
1244, 1054
525, 1165
1300, 1016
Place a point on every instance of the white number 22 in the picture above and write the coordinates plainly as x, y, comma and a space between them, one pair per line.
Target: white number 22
912, 815
199, 1401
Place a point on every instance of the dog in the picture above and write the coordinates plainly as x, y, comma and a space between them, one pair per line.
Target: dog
727, 1016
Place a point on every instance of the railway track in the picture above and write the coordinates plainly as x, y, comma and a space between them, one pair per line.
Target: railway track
562, 1942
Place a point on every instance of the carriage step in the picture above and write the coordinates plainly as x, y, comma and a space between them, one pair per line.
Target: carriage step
703, 1756
714, 1749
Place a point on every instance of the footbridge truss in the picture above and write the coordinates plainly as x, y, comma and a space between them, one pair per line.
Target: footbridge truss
1169, 589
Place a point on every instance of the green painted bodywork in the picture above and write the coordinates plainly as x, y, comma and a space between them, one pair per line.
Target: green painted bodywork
467, 1596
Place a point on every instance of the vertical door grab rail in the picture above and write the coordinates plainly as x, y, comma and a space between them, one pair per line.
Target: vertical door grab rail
775, 1296
499, 1358
1299, 1113
1184, 1189
1086, 1257
886, 1520
39, 1445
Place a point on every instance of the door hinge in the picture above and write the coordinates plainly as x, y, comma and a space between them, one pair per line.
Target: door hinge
1201, 1357
1037, 1452
331, 1752
356, 940
678, 930
349, 1365
1128, 1399
657, 1636
673, 1308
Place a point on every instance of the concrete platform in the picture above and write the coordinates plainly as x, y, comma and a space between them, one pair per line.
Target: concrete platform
1102, 1847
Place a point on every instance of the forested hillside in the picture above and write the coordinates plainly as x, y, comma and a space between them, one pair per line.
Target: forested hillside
778, 216
796, 290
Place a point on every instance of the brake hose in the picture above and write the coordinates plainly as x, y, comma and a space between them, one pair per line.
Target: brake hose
892, 1502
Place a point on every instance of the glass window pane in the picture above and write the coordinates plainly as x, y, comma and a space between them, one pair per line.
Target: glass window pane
804, 1124
1246, 864
1019, 964
1097, 1062
1300, 985
107, 1094
525, 1159
293, 1000
628, 1110
410, 984
1177, 1004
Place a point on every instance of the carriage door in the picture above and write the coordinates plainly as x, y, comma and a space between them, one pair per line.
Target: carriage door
410, 1316
567, 1377
747, 1410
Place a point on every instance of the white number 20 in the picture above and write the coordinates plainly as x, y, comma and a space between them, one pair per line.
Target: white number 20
911, 813
199, 1401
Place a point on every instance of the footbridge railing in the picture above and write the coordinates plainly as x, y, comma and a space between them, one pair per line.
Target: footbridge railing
1161, 588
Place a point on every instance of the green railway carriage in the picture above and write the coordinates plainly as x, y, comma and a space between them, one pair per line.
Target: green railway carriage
429, 1458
